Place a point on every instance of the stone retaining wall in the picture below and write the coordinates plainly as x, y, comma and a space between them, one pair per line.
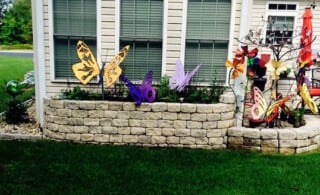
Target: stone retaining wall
285, 141
209, 126
151, 124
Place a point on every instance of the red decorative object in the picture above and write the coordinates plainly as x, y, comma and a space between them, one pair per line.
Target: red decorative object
305, 53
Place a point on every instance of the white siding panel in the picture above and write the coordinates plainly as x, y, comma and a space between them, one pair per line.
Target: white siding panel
174, 34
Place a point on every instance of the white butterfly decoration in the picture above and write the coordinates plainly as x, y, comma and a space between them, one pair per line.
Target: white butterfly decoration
180, 79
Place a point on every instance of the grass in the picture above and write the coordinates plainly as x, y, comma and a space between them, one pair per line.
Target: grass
65, 168
18, 46
13, 68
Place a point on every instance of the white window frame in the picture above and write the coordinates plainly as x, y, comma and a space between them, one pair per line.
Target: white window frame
51, 43
291, 13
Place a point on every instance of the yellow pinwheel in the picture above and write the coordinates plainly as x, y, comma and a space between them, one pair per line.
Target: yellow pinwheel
237, 65
276, 67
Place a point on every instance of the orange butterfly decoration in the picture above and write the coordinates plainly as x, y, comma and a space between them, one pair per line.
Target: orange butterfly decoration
237, 64
88, 67
113, 70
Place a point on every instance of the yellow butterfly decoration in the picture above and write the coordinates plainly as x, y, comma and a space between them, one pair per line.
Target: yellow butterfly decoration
113, 70
276, 67
88, 67
305, 95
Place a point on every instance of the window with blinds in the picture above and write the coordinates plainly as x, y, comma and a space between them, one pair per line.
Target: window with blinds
73, 20
141, 28
207, 38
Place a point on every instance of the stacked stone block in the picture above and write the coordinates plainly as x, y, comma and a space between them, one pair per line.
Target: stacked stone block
150, 124
285, 141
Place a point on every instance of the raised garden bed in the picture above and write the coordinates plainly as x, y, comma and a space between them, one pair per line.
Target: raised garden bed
160, 124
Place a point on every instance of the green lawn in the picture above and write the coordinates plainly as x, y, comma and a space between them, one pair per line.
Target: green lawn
17, 46
66, 168
13, 68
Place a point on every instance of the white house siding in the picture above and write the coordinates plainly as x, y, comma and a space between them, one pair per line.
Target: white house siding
108, 29
108, 37
175, 34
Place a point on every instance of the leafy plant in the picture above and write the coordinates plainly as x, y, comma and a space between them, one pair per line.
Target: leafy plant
16, 111
75, 94
191, 94
164, 93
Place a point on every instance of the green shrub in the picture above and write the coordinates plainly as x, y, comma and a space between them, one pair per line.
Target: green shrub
16, 111
190, 94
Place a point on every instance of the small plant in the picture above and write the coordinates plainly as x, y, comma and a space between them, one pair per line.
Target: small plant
164, 93
285, 73
16, 111
296, 117
76, 94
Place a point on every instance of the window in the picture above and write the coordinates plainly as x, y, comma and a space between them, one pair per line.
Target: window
274, 6
73, 21
207, 38
141, 28
280, 23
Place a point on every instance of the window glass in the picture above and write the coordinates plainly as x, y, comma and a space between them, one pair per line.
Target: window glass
141, 28
207, 38
73, 21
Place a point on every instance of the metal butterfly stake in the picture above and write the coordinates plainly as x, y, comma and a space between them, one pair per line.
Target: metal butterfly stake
180, 79
145, 92
89, 68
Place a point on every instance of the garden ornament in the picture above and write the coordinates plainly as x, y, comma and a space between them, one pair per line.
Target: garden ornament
264, 59
180, 79
145, 92
134, 90
237, 64
146, 88
305, 95
305, 53
276, 67
261, 111
113, 70
88, 67
252, 61
14, 88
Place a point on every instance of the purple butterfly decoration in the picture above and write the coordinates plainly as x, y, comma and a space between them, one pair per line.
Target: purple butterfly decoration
134, 91
179, 79
148, 92
144, 92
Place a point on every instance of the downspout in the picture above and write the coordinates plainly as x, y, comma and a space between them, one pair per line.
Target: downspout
38, 59
241, 82
244, 20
